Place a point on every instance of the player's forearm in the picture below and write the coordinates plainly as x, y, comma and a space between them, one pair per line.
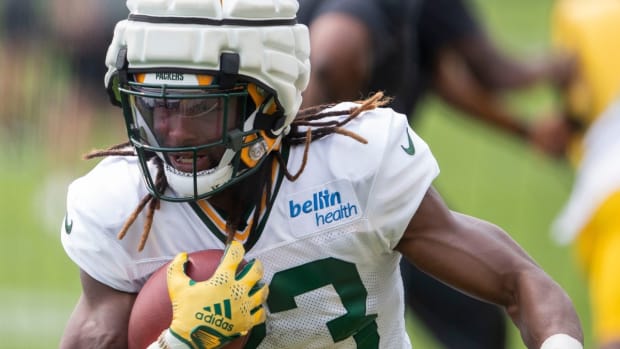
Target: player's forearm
499, 71
100, 317
85, 334
490, 110
502, 272
482, 260
456, 85
541, 309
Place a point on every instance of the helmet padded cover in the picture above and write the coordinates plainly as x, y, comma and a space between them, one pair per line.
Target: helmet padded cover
216, 9
276, 54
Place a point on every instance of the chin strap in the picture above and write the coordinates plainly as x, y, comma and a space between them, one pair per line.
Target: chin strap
183, 184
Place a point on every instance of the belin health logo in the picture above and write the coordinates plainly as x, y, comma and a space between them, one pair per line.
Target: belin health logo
327, 207
217, 314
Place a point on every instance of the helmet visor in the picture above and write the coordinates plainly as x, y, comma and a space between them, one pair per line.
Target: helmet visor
189, 127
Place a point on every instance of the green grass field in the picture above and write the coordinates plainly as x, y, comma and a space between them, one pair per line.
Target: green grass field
484, 174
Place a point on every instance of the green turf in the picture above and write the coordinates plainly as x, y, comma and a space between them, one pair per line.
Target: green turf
483, 173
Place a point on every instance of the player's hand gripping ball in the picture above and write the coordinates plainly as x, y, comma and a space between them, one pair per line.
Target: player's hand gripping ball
209, 299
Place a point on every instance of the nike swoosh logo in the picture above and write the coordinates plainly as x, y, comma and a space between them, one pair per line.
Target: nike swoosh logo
68, 224
410, 148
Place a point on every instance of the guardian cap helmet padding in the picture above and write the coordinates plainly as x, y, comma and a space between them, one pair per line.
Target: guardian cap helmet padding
245, 62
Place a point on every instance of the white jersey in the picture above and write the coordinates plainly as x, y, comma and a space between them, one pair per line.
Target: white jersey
598, 175
326, 243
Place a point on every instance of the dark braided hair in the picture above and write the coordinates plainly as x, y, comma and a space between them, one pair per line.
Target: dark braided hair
312, 119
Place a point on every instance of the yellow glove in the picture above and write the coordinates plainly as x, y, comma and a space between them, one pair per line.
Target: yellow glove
213, 312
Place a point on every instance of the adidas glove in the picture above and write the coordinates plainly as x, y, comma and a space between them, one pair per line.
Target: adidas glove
213, 312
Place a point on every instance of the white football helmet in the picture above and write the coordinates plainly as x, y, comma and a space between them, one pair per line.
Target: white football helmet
208, 86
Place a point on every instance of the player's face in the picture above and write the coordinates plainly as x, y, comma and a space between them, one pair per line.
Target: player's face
191, 122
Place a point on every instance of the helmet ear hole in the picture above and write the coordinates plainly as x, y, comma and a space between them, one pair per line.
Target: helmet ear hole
268, 116
257, 95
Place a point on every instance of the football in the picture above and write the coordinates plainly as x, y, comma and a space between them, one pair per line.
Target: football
152, 310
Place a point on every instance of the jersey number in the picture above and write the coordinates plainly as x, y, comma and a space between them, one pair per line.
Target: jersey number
289, 283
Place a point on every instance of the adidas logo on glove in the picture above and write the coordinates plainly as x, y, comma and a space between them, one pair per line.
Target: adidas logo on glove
213, 315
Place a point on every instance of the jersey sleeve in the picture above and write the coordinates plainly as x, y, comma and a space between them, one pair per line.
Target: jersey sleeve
406, 172
96, 211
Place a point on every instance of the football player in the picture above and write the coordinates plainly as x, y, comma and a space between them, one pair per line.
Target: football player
589, 133
220, 157
409, 49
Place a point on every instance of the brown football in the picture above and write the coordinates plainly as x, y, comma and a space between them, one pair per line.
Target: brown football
152, 310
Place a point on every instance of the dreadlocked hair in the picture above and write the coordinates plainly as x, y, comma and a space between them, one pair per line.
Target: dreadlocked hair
125, 149
315, 128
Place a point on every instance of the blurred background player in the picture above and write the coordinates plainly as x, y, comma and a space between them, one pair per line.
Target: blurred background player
590, 133
45, 38
83, 41
79, 42
20, 51
409, 48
